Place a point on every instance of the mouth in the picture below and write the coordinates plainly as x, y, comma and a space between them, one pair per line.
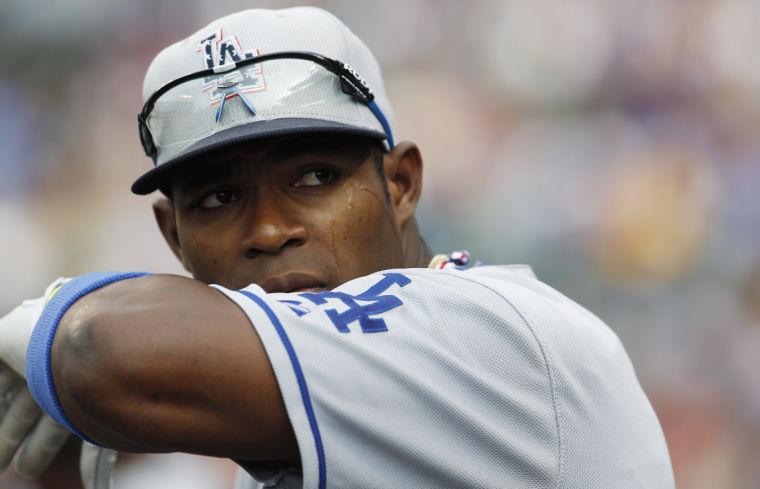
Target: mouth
310, 289
293, 282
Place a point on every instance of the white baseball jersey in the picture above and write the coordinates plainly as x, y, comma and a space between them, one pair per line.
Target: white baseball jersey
478, 378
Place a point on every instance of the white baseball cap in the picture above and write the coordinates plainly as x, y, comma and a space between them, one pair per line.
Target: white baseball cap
255, 74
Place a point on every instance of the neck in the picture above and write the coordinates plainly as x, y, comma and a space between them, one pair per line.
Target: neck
417, 254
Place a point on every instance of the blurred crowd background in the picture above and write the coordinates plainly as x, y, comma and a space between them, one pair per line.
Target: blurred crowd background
613, 145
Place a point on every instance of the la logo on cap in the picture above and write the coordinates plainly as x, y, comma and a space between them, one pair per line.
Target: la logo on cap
216, 50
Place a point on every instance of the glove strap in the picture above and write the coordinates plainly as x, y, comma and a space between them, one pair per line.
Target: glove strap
39, 373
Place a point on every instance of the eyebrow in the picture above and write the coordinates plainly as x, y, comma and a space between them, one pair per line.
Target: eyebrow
198, 173
228, 163
283, 149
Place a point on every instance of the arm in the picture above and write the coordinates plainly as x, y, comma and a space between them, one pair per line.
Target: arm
165, 363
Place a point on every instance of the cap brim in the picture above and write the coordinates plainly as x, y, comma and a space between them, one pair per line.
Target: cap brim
155, 178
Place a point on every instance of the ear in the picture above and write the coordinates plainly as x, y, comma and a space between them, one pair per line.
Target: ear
403, 174
163, 210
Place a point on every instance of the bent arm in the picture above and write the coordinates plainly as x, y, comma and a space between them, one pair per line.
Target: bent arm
165, 363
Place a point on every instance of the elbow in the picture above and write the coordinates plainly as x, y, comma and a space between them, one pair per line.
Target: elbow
77, 354
89, 376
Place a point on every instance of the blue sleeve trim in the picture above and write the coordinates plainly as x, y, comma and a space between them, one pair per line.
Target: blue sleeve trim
38, 369
305, 398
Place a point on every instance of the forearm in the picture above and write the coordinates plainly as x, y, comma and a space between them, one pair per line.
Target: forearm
165, 363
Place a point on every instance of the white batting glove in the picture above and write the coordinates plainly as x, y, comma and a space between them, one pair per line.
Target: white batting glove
96, 466
21, 420
17, 326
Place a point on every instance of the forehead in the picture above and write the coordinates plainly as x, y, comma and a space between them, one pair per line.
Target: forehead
261, 154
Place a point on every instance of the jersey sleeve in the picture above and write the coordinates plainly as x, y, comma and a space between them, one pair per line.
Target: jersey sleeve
400, 379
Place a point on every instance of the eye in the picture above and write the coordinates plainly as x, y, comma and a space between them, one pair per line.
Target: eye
218, 199
316, 178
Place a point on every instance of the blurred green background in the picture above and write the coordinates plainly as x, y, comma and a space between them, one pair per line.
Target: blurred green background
610, 144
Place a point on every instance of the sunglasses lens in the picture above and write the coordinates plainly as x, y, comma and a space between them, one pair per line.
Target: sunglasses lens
287, 87
201, 107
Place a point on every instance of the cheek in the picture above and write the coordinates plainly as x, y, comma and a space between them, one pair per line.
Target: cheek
363, 235
207, 253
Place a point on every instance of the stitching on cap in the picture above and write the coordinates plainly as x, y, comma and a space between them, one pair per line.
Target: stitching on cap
346, 47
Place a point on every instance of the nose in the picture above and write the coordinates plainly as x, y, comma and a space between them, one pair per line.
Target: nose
271, 228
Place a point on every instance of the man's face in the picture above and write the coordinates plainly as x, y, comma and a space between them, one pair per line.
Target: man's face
287, 213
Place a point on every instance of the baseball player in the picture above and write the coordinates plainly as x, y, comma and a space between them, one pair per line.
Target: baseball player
321, 344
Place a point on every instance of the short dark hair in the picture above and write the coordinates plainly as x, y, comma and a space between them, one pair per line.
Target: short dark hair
378, 152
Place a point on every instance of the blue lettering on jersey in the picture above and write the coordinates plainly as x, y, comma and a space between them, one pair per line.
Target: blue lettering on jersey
361, 307
296, 306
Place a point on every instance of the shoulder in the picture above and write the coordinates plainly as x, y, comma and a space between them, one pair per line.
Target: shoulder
489, 346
